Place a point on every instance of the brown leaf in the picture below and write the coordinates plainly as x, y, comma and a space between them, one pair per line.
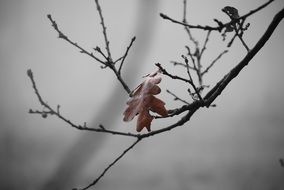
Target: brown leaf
143, 101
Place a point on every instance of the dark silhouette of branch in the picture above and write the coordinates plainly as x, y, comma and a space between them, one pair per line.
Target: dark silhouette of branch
221, 26
205, 43
165, 72
110, 165
220, 86
176, 97
56, 112
64, 37
213, 62
185, 21
176, 63
109, 58
125, 55
107, 63
238, 26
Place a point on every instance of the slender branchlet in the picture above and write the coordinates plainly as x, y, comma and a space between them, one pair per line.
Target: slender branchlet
104, 31
125, 55
176, 98
220, 26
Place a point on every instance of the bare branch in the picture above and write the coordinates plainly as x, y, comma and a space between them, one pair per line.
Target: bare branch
111, 165
220, 86
176, 97
165, 72
51, 111
125, 55
221, 26
188, 25
64, 37
104, 30
191, 57
186, 28
205, 43
190, 78
214, 61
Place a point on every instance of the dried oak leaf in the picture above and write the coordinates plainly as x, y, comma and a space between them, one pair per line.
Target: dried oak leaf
143, 101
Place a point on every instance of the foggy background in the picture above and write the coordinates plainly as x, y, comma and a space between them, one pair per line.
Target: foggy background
236, 145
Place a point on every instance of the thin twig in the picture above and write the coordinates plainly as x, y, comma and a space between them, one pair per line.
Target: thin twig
214, 61
238, 27
185, 21
64, 37
191, 57
176, 97
165, 72
104, 30
56, 112
243, 42
98, 49
175, 63
111, 165
236, 33
220, 27
190, 78
125, 55
189, 25
205, 43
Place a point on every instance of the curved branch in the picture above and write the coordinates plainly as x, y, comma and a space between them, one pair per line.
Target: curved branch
220, 86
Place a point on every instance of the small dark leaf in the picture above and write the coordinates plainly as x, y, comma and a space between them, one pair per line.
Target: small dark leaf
232, 12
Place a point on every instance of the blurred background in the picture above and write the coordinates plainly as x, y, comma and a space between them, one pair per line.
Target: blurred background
236, 145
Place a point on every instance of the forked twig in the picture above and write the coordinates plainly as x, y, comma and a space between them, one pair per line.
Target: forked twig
52, 111
220, 27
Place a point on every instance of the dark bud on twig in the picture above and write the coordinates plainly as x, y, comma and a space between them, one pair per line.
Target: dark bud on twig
29, 73
185, 59
247, 26
102, 127
163, 16
49, 16
97, 49
44, 115
220, 24
58, 108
